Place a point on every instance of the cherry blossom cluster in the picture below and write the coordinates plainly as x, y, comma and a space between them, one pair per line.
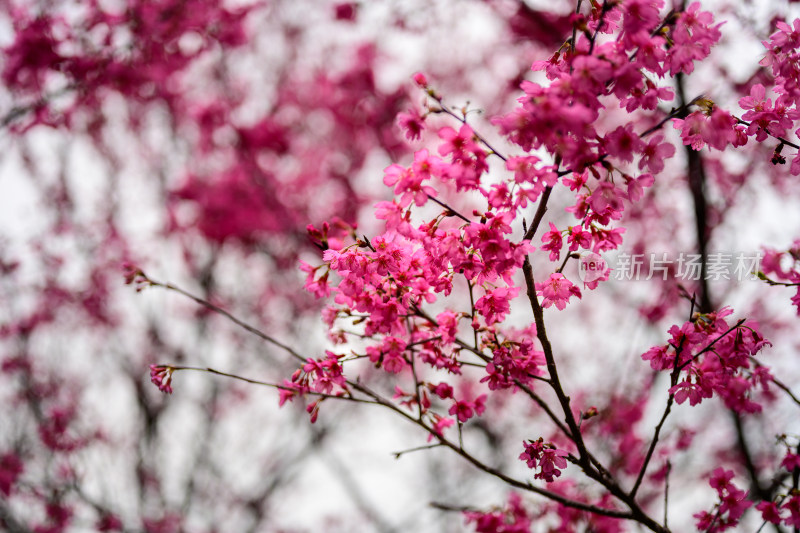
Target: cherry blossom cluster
785, 508
562, 115
386, 284
318, 376
732, 504
547, 458
775, 119
706, 356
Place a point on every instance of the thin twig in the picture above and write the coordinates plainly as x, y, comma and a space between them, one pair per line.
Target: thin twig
267, 384
463, 120
399, 454
711, 344
652, 446
451, 211
247, 327
666, 494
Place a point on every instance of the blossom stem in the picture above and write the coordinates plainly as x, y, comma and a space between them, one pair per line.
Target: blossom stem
779, 383
266, 384
674, 113
463, 120
603, 10
666, 494
575, 28
540, 211
399, 454
472, 313
712, 343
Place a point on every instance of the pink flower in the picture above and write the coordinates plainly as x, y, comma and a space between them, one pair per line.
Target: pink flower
421, 80
161, 376
770, 512
389, 354
606, 239
693, 36
732, 504
448, 325
546, 457
694, 392
623, 142
462, 410
660, 358
289, 391
553, 242
791, 462
606, 202
551, 463
636, 185
409, 182
346, 11
480, 404
578, 238
512, 519
442, 390
412, 123
557, 290
58, 517
692, 130
440, 423
324, 375
641, 15
654, 154
494, 305
109, 522
318, 287
717, 130
793, 506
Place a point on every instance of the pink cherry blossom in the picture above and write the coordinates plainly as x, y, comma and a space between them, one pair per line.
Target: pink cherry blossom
161, 376
552, 242
557, 290
655, 153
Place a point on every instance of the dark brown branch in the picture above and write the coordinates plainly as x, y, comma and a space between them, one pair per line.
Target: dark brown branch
697, 187
540, 211
494, 472
747, 458
652, 448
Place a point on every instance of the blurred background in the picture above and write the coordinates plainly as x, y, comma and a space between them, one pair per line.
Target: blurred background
197, 139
